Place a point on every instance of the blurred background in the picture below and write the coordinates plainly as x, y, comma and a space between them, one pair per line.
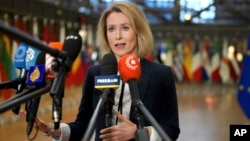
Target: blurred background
205, 42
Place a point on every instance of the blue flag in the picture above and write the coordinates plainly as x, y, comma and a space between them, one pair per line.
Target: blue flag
244, 83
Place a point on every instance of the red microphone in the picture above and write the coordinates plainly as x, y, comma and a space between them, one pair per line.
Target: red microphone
130, 72
129, 67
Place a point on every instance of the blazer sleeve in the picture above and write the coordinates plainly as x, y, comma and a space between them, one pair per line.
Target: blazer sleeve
85, 110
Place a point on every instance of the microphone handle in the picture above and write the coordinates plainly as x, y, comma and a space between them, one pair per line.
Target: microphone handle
20, 88
109, 107
32, 113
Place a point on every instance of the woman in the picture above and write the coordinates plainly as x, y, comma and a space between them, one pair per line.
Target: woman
123, 29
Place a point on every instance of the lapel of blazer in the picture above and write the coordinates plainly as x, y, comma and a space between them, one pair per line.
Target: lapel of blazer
146, 72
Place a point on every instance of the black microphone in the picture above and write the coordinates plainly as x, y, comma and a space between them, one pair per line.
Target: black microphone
36, 78
19, 63
71, 47
109, 82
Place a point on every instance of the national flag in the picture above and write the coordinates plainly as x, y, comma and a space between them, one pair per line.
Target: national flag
187, 60
243, 95
62, 32
206, 69
196, 63
224, 65
233, 63
215, 62
178, 59
169, 52
52, 32
7, 70
35, 30
45, 32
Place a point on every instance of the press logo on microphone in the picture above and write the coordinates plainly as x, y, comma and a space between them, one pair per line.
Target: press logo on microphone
71, 37
107, 81
21, 52
35, 74
131, 62
30, 55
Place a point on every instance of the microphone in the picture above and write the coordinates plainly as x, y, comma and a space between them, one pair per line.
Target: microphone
36, 79
19, 62
52, 67
108, 82
51, 63
130, 71
71, 47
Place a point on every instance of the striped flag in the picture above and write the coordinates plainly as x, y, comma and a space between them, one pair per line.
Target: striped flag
243, 96
7, 69
206, 69
196, 63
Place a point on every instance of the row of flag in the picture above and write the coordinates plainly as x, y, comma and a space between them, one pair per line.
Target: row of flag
47, 31
203, 60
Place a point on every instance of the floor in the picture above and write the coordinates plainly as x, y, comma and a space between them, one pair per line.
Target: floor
206, 112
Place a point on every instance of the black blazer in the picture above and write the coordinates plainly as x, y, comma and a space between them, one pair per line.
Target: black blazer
156, 90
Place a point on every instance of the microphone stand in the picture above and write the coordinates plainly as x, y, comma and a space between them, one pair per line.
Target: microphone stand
94, 117
57, 89
13, 84
25, 96
57, 108
140, 109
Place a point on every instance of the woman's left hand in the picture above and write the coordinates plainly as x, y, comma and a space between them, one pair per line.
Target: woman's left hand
123, 131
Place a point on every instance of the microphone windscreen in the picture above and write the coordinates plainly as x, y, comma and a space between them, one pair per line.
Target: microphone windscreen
32, 57
109, 65
40, 60
36, 76
129, 67
20, 56
72, 45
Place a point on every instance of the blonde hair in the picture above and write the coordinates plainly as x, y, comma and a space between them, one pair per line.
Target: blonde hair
139, 24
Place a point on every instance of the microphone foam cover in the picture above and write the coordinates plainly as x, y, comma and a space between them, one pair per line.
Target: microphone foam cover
72, 45
20, 56
109, 65
129, 67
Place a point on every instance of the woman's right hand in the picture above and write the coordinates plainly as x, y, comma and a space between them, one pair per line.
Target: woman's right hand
40, 124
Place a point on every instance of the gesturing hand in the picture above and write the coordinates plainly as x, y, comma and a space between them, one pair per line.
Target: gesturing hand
40, 124
123, 131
